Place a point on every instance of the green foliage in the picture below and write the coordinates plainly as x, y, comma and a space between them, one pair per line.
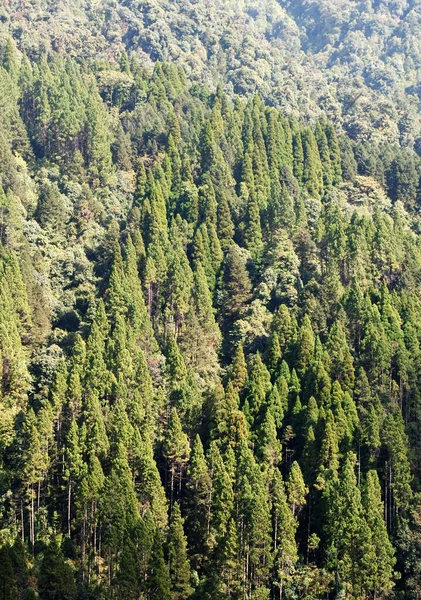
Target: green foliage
56, 579
208, 311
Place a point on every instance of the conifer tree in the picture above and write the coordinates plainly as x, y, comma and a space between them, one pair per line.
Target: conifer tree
297, 150
312, 172
258, 386
335, 151
177, 450
158, 581
284, 529
236, 283
201, 336
179, 567
199, 493
147, 481
296, 488
225, 227
8, 588
382, 568
253, 231
324, 152
238, 374
56, 578
305, 346
178, 267
222, 499
127, 578
10, 62
352, 550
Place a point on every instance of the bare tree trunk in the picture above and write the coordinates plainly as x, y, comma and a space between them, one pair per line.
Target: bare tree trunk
275, 535
386, 497
22, 518
69, 504
32, 519
83, 542
172, 486
99, 553
390, 495
95, 529
180, 481
308, 525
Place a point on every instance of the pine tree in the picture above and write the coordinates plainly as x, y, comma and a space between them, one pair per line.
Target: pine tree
351, 551
382, 568
324, 152
177, 450
10, 62
116, 293
158, 582
199, 493
398, 471
147, 481
253, 230
56, 579
312, 173
296, 488
127, 578
305, 346
236, 283
8, 588
180, 279
201, 336
284, 530
228, 563
222, 499
258, 386
281, 207
297, 150
273, 357
73, 467
225, 227
179, 567
238, 374
335, 152
342, 368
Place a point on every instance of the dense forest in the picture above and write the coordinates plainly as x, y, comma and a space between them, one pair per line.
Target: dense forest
210, 311
358, 61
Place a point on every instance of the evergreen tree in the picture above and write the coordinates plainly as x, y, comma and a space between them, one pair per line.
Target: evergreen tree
177, 450
351, 546
382, 568
179, 567
199, 493
284, 530
158, 582
236, 283
127, 577
8, 588
312, 172
56, 579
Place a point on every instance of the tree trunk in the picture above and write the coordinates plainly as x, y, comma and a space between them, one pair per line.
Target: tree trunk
83, 542
32, 520
22, 518
69, 505
172, 486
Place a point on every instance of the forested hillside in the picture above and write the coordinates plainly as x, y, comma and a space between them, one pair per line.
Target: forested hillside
359, 61
210, 327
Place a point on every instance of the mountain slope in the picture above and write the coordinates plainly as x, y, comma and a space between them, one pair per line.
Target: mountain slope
210, 311
359, 62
